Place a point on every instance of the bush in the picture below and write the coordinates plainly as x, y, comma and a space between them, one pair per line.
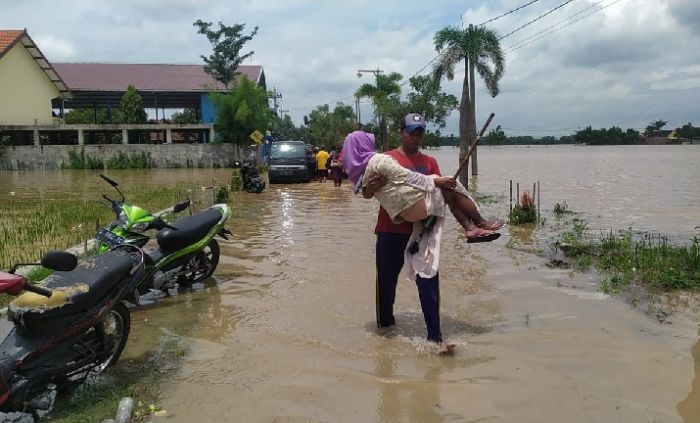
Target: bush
524, 212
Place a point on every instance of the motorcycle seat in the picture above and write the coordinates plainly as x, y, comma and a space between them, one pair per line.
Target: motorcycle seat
190, 229
78, 290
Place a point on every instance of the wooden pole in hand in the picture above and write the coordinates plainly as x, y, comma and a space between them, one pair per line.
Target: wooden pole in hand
471, 148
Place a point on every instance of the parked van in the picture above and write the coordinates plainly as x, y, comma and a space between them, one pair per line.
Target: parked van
287, 162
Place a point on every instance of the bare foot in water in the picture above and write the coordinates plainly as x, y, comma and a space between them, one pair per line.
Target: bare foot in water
446, 347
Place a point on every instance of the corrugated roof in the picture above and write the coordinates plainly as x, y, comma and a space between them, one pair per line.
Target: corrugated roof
8, 39
145, 77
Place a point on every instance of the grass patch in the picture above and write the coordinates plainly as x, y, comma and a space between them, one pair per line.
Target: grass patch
98, 399
133, 160
627, 258
561, 209
38, 273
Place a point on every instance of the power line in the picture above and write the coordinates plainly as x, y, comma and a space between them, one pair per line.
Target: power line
558, 29
535, 20
508, 13
481, 24
553, 26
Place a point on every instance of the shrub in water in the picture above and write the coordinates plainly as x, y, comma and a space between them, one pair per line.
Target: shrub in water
524, 212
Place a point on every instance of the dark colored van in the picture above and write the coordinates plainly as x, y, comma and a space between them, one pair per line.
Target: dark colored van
287, 162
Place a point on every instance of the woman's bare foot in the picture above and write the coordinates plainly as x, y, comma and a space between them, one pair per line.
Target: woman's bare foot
475, 232
491, 225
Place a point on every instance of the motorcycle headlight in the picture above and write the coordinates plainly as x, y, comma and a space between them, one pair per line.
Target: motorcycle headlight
139, 227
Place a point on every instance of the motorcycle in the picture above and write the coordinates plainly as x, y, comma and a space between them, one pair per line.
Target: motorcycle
252, 182
73, 325
187, 251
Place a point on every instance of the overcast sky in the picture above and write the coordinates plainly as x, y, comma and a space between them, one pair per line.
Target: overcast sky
630, 63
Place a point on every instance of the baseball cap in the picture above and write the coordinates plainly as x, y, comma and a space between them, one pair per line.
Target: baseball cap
412, 121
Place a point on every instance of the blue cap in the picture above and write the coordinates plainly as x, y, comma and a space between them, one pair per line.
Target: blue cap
412, 121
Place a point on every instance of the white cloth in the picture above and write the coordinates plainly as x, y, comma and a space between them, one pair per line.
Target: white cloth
426, 260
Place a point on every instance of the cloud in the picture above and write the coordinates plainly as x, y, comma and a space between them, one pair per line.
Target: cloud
625, 65
53, 46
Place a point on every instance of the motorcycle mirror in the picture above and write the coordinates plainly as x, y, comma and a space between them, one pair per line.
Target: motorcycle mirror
59, 260
181, 206
109, 181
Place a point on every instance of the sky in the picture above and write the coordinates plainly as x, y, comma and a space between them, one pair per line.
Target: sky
592, 63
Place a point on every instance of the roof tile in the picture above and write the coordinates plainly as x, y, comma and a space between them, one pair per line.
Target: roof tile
8, 37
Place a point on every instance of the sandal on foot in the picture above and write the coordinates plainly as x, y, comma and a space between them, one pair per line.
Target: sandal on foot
484, 238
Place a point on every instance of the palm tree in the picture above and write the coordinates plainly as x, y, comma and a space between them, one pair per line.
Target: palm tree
479, 48
385, 91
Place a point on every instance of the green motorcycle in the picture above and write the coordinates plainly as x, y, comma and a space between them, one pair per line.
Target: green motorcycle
186, 251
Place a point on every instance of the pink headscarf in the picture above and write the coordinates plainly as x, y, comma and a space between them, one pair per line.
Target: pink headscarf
357, 150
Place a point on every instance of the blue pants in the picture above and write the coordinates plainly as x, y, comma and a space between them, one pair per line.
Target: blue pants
390, 251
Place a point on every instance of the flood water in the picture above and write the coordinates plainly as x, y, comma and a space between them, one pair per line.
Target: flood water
286, 332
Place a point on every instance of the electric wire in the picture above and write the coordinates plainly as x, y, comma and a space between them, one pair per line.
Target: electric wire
567, 25
553, 26
419, 71
508, 13
535, 20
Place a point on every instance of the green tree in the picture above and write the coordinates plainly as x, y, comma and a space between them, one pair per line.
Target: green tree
654, 126
495, 136
240, 112
385, 97
479, 49
329, 128
226, 44
186, 116
92, 116
132, 106
688, 131
428, 99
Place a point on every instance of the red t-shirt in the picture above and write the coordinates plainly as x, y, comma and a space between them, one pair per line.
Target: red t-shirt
420, 163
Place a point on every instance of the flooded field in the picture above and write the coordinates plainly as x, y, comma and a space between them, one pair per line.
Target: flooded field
286, 332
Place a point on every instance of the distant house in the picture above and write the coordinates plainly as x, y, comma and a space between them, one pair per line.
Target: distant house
161, 86
664, 136
28, 82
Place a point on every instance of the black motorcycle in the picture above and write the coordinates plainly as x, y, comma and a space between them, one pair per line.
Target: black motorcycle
252, 182
73, 325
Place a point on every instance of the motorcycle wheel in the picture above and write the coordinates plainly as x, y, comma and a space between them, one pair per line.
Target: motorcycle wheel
202, 265
114, 329
116, 326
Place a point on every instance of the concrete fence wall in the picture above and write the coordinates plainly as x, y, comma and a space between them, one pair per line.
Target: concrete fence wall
164, 155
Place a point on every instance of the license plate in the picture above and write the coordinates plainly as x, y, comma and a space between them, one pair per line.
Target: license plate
286, 173
109, 238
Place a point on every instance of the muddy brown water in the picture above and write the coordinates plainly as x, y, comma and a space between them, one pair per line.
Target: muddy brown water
286, 332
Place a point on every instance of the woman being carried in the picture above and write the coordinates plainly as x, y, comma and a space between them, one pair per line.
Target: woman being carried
411, 196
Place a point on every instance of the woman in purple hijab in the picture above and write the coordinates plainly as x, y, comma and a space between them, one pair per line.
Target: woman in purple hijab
411, 196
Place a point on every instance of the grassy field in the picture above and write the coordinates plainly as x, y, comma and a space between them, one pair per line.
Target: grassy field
30, 227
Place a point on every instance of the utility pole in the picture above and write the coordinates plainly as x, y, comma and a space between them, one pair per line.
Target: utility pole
382, 122
274, 95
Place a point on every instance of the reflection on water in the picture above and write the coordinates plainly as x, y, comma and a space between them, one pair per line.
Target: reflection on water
407, 399
689, 408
